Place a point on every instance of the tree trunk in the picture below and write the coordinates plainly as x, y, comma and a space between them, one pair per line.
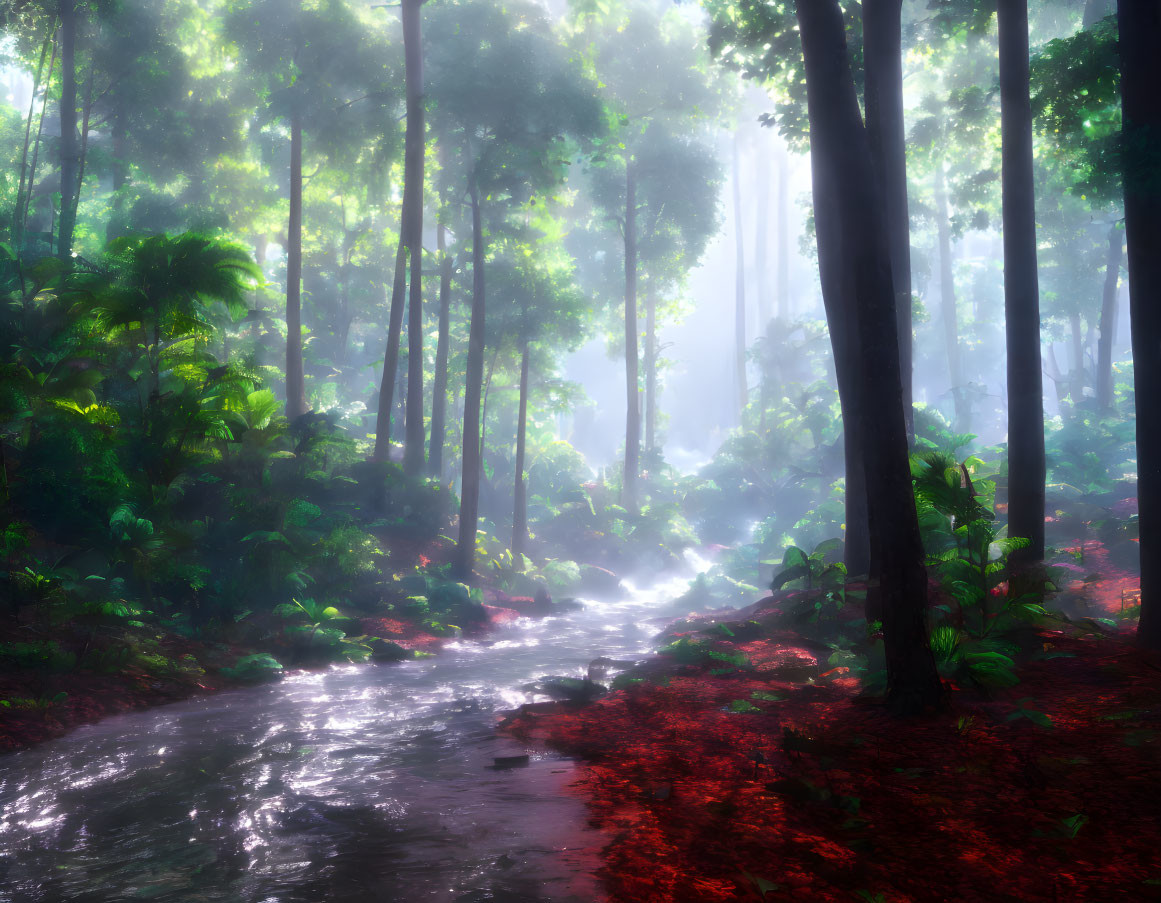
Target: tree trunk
473, 386
295, 379
36, 144
762, 243
1108, 328
883, 66
1140, 36
782, 281
439, 385
633, 408
839, 302
414, 146
947, 302
841, 154
650, 370
18, 215
1076, 387
739, 294
83, 153
68, 127
1026, 467
520, 509
115, 226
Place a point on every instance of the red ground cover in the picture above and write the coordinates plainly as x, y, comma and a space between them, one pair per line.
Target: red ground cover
746, 786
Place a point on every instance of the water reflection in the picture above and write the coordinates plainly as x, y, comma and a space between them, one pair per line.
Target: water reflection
356, 783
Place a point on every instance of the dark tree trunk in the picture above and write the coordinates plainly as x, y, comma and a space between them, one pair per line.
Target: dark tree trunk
839, 301
1108, 328
632, 401
391, 357
841, 153
947, 302
883, 66
739, 293
650, 370
68, 127
414, 144
1026, 467
520, 509
1140, 34
439, 385
473, 387
295, 379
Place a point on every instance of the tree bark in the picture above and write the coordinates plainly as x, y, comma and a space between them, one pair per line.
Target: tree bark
947, 302
465, 555
739, 294
1140, 36
439, 385
1026, 466
883, 68
650, 371
841, 153
632, 400
520, 509
1108, 329
295, 378
414, 146
839, 302
68, 127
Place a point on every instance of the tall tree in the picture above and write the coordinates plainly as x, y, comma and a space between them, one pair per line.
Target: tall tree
1140, 33
1026, 464
853, 202
514, 107
69, 152
883, 74
739, 291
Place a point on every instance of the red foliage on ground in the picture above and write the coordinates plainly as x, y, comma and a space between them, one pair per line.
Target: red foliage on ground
746, 786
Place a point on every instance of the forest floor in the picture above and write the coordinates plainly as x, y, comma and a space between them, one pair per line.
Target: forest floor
780, 781
49, 699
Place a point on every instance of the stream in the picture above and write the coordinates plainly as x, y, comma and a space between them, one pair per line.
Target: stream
360, 782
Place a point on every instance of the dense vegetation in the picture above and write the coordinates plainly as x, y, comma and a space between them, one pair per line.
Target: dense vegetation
290, 292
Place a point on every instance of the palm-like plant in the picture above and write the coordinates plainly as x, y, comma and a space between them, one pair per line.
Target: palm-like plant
158, 290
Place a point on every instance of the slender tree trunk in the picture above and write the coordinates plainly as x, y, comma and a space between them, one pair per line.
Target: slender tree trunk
650, 370
520, 510
295, 377
883, 66
782, 281
762, 243
391, 358
18, 214
841, 152
1108, 328
115, 226
947, 302
36, 145
1026, 466
473, 385
68, 126
439, 386
1140, 36
739, 293
414, 144
1076, 388
633, 405
83, 154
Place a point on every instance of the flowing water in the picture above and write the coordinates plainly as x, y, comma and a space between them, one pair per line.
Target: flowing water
358, 783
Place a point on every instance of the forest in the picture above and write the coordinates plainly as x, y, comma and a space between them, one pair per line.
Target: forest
561, 451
